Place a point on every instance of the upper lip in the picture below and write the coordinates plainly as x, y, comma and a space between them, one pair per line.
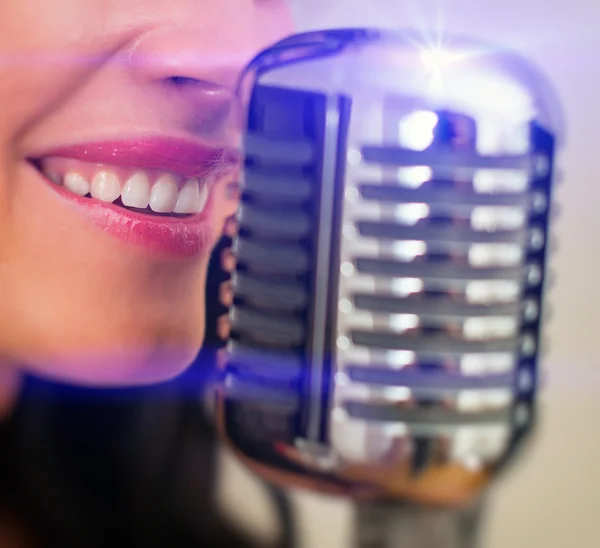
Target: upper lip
181, 156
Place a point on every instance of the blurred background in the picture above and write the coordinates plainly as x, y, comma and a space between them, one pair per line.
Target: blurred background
550, 497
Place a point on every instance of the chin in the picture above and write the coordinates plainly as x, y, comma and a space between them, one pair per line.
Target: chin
122, 363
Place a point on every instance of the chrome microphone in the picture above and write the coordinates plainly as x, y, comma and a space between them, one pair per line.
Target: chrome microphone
391, 264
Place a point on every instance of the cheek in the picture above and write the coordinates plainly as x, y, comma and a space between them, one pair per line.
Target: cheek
225, 202
276, 21
38, 68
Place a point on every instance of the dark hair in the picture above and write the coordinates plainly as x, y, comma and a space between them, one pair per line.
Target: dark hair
93, 467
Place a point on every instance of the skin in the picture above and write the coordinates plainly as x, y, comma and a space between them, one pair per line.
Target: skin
76, 303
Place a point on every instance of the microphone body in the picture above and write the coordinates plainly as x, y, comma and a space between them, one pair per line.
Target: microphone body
391, 260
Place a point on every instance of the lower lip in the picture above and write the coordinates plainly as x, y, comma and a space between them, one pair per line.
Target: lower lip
186, 237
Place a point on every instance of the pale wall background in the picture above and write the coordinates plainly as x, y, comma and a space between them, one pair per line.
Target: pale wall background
552, 497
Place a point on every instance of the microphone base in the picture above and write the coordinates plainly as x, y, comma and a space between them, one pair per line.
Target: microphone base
395, 524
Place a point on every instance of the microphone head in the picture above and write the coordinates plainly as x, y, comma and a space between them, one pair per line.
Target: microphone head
391, 260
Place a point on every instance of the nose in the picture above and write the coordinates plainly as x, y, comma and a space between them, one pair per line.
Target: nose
173, 55
196, 69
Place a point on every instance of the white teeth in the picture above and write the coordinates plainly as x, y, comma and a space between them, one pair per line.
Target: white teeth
76, 183
105, 186
189, 198
136, 192
163, 197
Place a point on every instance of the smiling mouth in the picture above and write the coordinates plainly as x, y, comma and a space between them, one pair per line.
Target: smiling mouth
153, 192
143, 191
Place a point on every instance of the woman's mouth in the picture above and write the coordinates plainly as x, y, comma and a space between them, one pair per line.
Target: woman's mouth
151, 192
148, 192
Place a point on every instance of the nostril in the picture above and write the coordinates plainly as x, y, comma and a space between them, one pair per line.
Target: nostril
199, 87
182, 81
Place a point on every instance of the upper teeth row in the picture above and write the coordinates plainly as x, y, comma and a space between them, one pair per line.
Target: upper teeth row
164, 196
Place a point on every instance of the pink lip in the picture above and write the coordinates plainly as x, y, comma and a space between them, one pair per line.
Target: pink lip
184, 237
180, 156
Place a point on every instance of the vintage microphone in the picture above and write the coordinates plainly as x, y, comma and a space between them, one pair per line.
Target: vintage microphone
391, 260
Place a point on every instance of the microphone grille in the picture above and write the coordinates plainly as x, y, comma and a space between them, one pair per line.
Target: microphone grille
441, 272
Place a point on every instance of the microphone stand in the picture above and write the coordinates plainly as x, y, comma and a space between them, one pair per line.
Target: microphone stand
398, 524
